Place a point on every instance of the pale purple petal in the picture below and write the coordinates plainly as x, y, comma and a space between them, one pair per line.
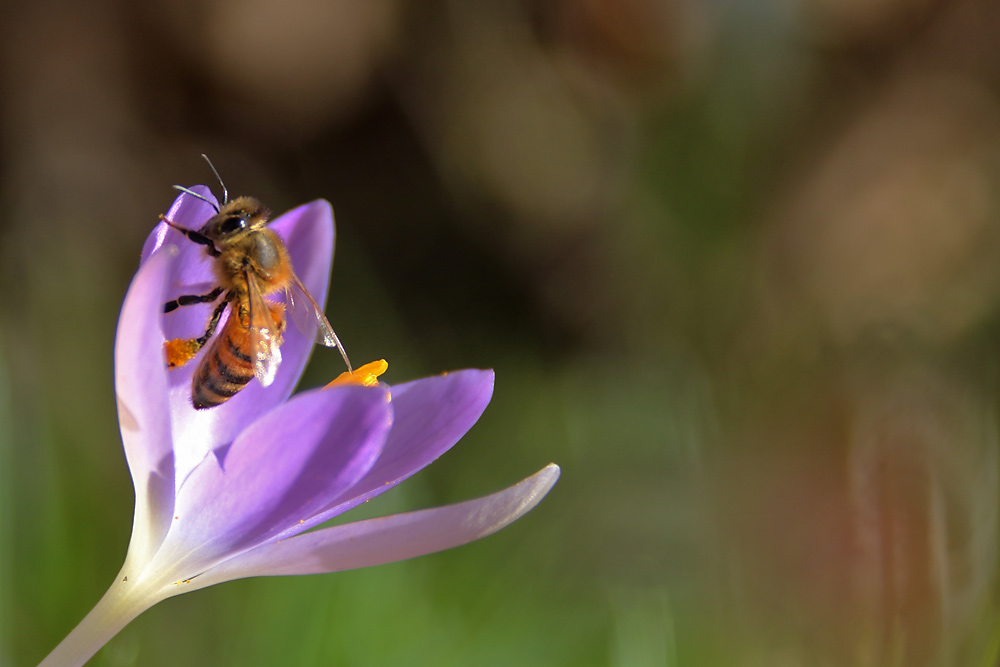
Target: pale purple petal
309, 232
431, 415
143, 414
281, 470
387, 539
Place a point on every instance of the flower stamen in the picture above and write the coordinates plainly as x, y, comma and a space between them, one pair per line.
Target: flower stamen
364, 376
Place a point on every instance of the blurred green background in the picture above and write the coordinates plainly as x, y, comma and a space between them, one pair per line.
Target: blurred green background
735, 264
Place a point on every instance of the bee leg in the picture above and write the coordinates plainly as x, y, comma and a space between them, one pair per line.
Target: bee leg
197, 237
212, 323
182, 350
191, 299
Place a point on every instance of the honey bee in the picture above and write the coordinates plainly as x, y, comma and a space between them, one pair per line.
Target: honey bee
250, 263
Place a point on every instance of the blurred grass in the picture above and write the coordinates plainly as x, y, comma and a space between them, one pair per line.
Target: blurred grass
7, 561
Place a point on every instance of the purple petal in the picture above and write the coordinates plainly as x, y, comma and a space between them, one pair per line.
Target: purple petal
387, 539
309, 234
431, 415
143, 414
278, 472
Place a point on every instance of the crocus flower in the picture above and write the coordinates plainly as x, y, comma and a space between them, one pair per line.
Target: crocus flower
229, 492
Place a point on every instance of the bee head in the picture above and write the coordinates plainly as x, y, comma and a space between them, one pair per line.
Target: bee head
233, 217
239, 215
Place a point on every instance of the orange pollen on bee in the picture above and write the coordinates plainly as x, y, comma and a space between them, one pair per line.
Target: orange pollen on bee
180, 351
365, 376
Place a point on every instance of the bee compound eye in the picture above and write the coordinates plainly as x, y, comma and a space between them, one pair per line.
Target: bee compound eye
233, 223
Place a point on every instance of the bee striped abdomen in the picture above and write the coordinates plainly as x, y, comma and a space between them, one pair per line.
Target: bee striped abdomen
225, 369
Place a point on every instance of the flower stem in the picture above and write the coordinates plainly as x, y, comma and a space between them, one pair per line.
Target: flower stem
117, 608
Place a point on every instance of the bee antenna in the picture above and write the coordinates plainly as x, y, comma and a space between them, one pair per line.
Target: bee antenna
225, 192
194, 194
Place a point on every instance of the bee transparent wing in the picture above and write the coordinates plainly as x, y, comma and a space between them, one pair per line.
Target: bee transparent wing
309, 317
265, 333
